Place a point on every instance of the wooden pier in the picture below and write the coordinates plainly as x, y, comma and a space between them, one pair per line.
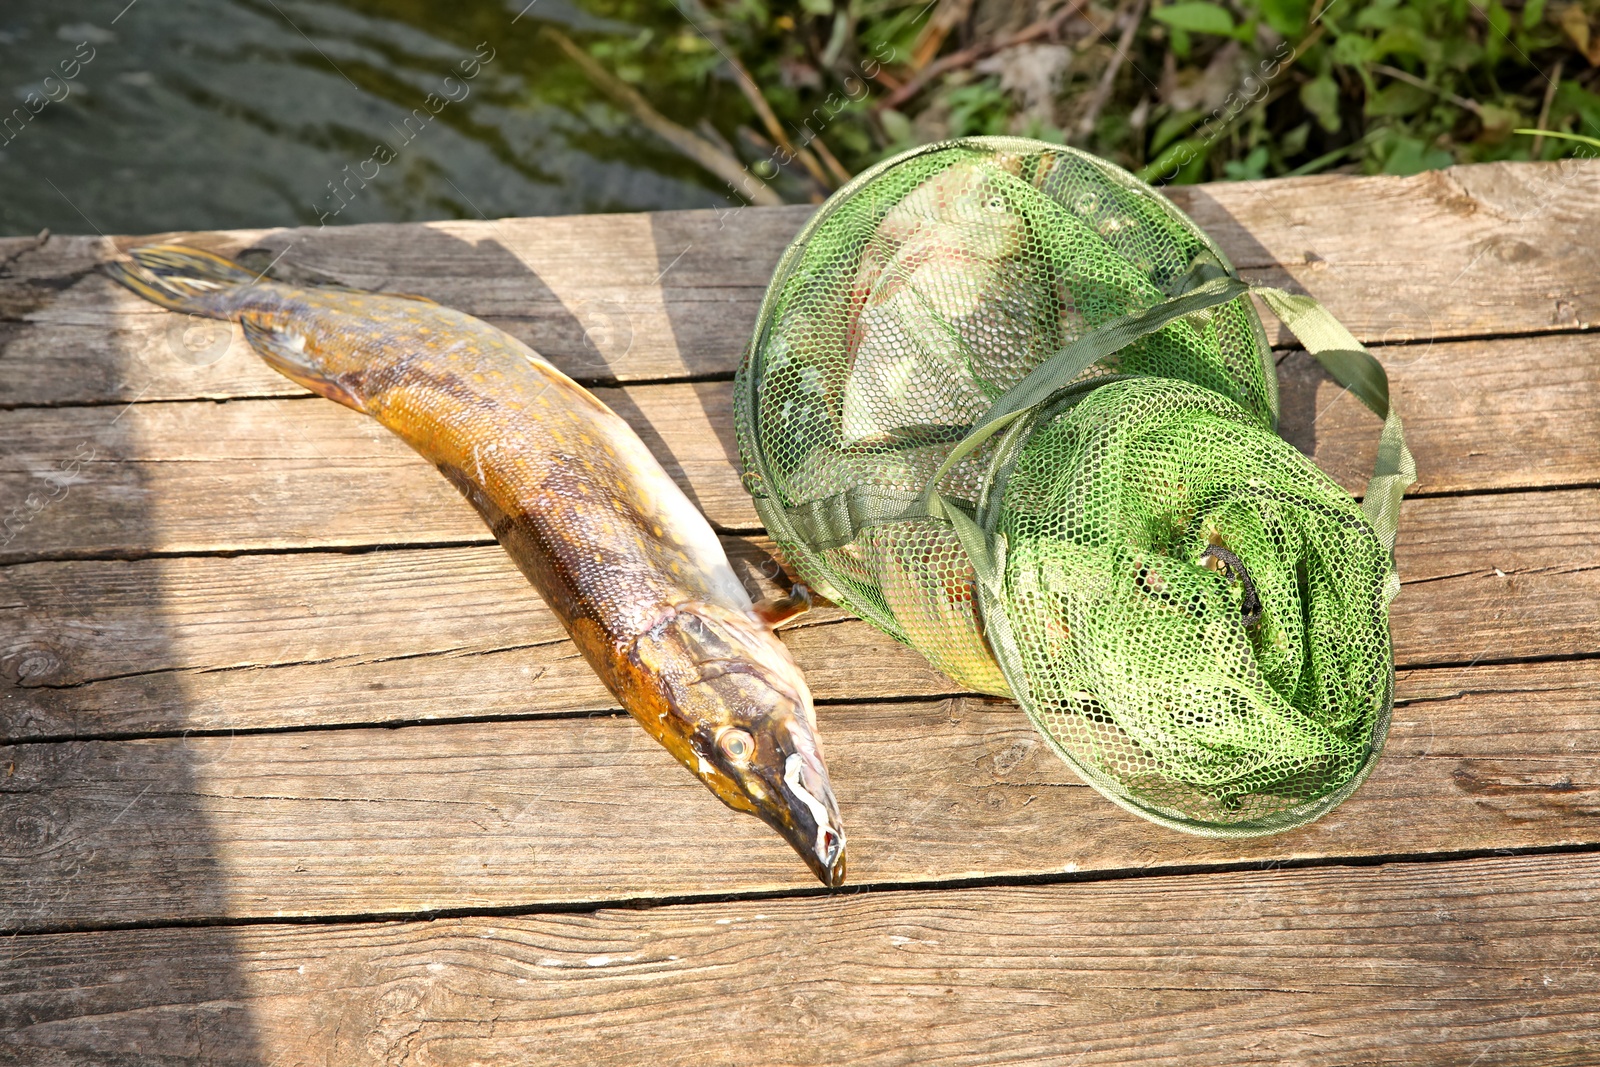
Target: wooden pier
299, 770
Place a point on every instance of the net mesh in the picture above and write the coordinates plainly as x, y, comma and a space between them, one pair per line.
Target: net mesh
1191, 612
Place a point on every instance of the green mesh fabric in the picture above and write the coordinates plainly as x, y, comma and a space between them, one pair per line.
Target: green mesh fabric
1191, 613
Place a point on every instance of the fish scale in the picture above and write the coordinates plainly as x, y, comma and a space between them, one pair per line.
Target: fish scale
632, 569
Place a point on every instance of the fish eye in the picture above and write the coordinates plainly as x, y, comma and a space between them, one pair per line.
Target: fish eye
736, 744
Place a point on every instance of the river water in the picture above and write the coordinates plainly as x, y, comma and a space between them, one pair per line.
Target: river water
212, 114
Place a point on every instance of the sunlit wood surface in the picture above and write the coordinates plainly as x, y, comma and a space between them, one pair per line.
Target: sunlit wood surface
300, 771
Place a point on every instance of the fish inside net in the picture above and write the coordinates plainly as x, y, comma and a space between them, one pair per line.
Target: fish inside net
1012, 407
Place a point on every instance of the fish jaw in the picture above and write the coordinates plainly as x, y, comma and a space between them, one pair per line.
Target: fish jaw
299, 358
729, 702
818, 839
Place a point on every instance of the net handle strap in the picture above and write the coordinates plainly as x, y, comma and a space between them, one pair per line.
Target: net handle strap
1352, 366
1055, 373
1323, 336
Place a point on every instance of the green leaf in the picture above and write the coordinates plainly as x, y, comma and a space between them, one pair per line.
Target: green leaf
1398, 41
1196, 16
1352, 50
1494, 41
1532, 12
1498, 122
1574, 101
1379, 16
1288, 17
1411, 156
895, 126
1320, 96
1397, 100
1294, 142
1252, 167
1499, 18
977, 109
1174, 125
1040, 130
822, 8
1184, 157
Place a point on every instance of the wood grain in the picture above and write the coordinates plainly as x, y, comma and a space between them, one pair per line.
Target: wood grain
1505, 576
200, 476
197, 476
607, 297
1487, 275
1514, 413
1481, 961
1470, 251
575, 811
96, 648
93, 648
1487, 250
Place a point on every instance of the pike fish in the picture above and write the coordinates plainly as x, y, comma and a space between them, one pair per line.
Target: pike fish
631, 568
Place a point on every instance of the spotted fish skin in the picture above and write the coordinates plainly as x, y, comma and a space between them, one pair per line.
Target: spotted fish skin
632, 569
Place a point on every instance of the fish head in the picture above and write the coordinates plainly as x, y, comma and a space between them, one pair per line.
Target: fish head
736, 711
320, 360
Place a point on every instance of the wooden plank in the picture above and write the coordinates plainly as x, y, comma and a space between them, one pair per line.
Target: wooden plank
1501, 577
195, 477
1508, 414
1471, 251
279, 473
1482, 961
565, 812
1494, 249
609, 297
96, 648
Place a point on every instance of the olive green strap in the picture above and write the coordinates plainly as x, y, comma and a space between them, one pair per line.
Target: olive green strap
1353, 367
1055, 373
976, 542
834, 521
1324, 337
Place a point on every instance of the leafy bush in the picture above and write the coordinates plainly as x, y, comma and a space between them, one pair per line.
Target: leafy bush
1206, 90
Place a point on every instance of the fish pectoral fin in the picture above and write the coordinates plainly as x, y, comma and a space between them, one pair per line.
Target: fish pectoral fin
285, 351
779, 609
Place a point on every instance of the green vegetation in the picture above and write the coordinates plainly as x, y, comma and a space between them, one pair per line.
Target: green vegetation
1183, 91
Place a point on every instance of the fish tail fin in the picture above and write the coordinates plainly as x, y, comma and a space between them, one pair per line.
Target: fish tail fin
181, 278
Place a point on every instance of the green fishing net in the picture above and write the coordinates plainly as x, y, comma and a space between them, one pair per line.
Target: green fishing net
1012, 407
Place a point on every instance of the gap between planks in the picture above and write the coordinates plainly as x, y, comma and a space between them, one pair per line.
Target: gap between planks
562, 814
1040, 880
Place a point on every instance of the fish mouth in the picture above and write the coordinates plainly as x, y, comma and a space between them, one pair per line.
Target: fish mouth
810, 818
740, 716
